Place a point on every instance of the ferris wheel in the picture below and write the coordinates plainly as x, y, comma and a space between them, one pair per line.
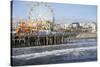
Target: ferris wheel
40, 11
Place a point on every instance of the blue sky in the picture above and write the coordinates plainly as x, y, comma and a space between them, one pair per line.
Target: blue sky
62, 12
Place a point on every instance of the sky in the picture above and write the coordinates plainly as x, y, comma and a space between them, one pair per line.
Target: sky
62, 12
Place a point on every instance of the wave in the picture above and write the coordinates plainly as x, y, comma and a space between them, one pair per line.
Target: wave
74, 51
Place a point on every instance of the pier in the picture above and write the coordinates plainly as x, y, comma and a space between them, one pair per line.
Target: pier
38, 40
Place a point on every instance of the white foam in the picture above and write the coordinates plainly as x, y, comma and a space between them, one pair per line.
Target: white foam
53, 52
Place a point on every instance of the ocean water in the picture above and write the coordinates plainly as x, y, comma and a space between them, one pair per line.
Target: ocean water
75, 51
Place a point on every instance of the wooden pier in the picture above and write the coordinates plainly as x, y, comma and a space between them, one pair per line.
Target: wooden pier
38, 40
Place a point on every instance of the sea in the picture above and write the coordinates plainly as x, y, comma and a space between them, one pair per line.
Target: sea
78, 50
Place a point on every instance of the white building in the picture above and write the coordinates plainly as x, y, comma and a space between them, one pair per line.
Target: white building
91, 26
